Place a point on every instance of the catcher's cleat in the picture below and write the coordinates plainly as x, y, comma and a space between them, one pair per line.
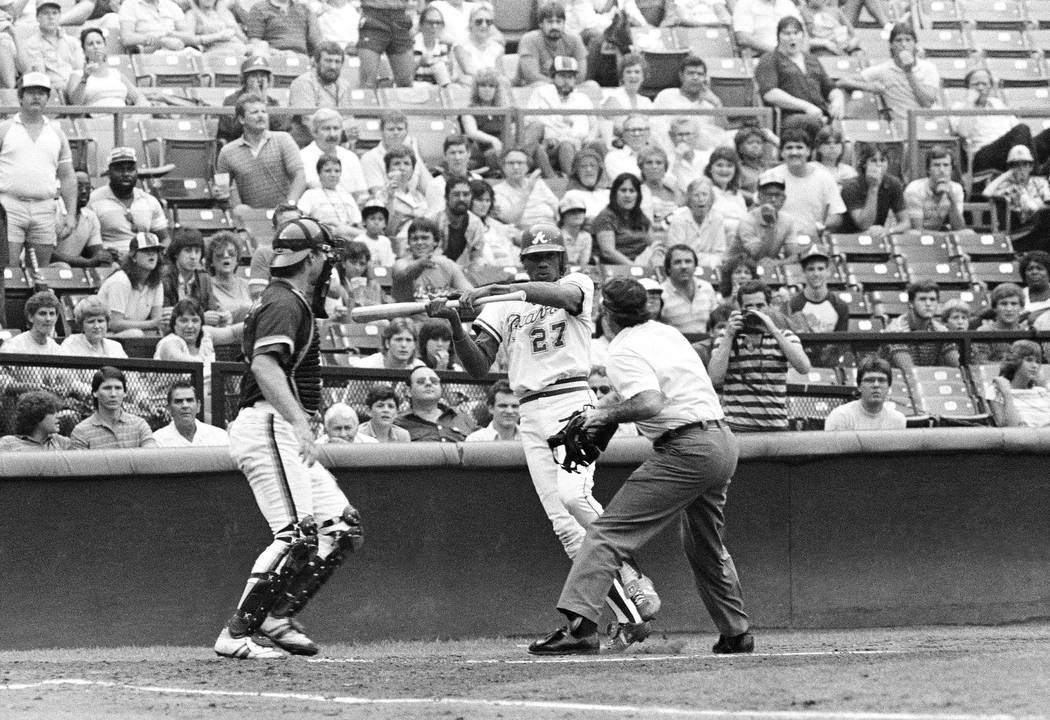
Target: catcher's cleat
563, 642
733, 644
643, 595
622, 636
244, 648
287, 634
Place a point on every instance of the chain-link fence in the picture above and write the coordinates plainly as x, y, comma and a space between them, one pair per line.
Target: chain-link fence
70, 379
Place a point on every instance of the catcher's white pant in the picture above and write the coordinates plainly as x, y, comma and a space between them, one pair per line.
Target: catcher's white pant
565, 496
286, 490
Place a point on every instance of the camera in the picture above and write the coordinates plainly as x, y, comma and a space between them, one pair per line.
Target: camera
753, 322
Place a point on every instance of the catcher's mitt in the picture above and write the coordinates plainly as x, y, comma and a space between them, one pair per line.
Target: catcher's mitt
582, 445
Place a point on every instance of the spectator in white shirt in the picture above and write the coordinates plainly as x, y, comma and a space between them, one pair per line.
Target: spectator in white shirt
688, 300
327, 127
185, 430
503, 405
560, 134
636, 135
698, 225
870, 412
812, 195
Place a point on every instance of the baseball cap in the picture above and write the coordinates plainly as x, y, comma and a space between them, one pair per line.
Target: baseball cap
256, 63
814, 251
542, 238
650, 285
566, 64
122, 155
47, 3
771, 177
624, 296
296, 239
1019, 154
144, 241
374, 204
36, 79
572, 200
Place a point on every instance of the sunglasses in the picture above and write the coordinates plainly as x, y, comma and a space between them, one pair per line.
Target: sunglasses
601, 389
482, 21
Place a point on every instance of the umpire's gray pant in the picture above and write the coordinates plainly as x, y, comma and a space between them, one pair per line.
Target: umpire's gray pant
691, 473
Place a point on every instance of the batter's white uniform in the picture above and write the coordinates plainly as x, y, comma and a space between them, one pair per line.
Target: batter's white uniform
548, 352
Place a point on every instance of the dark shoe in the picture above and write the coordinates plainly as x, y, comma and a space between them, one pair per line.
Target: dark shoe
563, 642
731, 645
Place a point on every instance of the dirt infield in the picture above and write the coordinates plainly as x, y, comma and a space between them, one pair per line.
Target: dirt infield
949, 673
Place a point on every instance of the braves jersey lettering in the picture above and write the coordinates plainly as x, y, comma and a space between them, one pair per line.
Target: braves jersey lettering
543, 344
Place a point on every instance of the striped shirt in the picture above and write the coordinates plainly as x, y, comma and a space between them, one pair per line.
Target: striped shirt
264, 175
95, 433
754, 392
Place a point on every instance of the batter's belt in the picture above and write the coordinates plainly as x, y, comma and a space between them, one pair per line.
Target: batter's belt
558, 387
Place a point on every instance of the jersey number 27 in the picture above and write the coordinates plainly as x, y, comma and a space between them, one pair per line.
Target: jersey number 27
540, 336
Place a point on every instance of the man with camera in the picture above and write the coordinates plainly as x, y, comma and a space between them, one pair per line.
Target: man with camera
750, 361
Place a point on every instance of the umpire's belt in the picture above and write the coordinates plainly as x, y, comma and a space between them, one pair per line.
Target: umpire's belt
558, 387
682, 429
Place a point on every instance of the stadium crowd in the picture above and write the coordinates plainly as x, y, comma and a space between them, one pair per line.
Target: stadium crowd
747, 237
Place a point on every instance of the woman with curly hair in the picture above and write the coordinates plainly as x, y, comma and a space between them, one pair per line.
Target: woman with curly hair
723, 168
490, 132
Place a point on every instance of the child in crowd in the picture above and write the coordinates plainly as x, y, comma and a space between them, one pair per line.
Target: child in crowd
331, 204
956, 315
573, 213
375, 217
828, 29
830, 148
382, 407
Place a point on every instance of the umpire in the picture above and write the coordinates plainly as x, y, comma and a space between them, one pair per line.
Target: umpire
669, 396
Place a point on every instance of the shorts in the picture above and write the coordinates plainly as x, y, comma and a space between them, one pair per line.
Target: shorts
385, 31
29, 220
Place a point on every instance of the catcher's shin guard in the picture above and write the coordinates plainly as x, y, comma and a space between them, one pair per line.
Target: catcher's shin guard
316, 572
269, 587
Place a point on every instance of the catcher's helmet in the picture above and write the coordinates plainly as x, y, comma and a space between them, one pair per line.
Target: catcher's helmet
542, 238
296, 239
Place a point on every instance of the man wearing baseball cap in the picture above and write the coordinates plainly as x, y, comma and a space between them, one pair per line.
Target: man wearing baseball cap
1026, 198
33, 152
766, 231
122, 207
559, 133
256, 77
817, 309
669, 396
49, 50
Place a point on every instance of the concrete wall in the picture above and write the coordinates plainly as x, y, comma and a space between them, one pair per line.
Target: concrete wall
945, 526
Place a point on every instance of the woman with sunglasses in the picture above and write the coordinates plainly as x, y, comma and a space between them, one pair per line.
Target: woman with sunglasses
433, 53
482, 49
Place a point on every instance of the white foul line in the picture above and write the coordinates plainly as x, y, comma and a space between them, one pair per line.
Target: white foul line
525, 704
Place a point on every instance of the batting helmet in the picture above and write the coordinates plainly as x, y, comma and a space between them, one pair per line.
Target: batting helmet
298, 238
542, 238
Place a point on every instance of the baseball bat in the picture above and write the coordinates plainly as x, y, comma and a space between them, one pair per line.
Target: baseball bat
392, 310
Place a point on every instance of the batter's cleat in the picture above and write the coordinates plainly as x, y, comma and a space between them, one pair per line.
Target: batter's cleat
563, 642
622, 636
734, 644
643, 595
244, 648
287, 634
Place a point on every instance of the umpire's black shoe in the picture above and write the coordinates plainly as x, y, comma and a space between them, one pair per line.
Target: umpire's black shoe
733, 644
563, 642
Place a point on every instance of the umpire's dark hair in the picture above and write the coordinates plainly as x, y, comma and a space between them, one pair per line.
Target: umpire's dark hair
874, 364
923, 286
500, 386
680, 247
182, 384
1034, 256
750, 288
104, 373
624, 299
32, 407
376, 393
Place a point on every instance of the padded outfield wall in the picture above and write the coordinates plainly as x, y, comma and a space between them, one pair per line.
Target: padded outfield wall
152, 546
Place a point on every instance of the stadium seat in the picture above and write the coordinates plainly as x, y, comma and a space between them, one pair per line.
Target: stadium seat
869, 324
975, 297
939, 14
982, 245
352, 71
945, 42
858, 304
885, 275
733, 81
1037, 13
1033, 96
875, 41
710, 274
863, 106
857, 246
189, 145
123, 64
208, 96
815, 376
1017, 72
888, 303
168, 70
942, 393
514, 18
419, 95
869, 131
982, 377
923, 246
610, 271
224, 68
838, 67
1003, 43
207, 220
383, 276
994, 272
953, 69
287, 66
707, 42
995, 15
981, 217
946, 273
663, 66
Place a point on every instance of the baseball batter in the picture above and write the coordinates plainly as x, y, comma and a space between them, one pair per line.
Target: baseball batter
547, 341
313, 525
